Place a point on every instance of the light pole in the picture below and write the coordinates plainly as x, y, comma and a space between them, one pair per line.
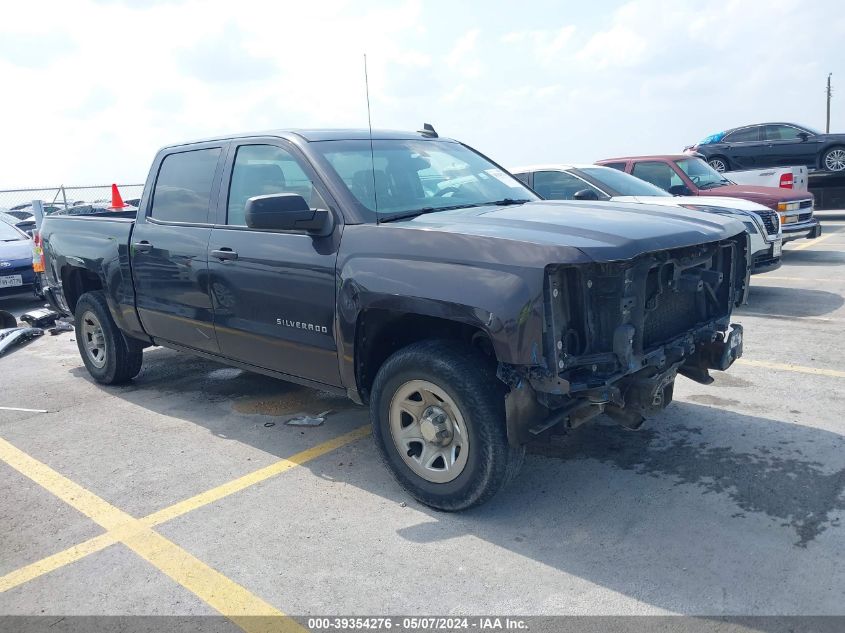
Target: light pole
829, 94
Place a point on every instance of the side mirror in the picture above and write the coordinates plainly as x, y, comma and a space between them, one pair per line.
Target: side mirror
284, 212
585, 194
803, 136
680, 190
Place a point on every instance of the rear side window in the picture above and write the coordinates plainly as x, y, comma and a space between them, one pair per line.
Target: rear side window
523, 178
619, 166
744, 135
658, 174
183, 188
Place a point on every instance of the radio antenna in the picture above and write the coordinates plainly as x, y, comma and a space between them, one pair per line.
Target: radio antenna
370, 125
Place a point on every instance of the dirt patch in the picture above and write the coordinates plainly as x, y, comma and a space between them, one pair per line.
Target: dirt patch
730, 380
713, 401
288, 401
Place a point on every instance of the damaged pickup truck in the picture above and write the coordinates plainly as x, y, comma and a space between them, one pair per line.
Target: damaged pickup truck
410, 273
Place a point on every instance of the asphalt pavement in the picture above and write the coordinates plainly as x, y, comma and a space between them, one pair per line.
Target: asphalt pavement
185, 492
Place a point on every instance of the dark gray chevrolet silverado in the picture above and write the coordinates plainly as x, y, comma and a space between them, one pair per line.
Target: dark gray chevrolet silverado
411, 273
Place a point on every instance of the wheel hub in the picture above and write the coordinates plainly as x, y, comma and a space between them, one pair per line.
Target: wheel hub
436, 426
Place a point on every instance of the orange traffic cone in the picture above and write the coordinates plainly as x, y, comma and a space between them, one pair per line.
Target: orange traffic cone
116, 200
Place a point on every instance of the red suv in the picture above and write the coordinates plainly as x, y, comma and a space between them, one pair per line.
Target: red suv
685, 175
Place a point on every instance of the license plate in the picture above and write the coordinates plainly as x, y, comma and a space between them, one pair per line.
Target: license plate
777, 249
10, 281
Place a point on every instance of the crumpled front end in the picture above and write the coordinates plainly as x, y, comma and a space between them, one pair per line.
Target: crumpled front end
618, 333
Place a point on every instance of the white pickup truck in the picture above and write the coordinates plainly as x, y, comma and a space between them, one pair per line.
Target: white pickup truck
786, 177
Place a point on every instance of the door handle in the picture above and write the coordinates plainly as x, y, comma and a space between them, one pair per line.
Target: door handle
224, 253
143, 246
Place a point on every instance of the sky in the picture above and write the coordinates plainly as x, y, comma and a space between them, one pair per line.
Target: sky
90, 89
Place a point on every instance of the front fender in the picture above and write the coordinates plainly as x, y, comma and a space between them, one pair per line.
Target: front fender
506, 306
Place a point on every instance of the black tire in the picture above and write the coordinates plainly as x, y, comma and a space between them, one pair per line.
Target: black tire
120, 360
720, 159
839, 149
469, 379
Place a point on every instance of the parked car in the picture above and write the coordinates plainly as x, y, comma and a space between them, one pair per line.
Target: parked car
16, 273
685, 175
794, 177
773, 145
25, 223
49, 207
412, 273
594, 182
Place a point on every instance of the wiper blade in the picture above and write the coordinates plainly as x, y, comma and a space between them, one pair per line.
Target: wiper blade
406, 215
506, 202
710, 185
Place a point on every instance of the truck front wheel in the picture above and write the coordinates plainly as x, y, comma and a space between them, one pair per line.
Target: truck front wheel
108, 356
438, 418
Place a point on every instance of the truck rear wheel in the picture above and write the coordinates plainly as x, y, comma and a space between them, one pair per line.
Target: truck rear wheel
108, 356
438, 418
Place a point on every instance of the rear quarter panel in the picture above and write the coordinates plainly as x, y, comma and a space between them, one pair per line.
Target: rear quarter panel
97, 246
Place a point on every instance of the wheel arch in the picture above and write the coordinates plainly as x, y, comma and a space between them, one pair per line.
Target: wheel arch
381, 331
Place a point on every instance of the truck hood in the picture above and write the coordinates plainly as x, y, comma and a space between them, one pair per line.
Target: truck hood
768, 196
710, 201
603, 231
14, 251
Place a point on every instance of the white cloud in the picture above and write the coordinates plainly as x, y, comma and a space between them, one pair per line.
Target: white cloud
110, 82
463, 58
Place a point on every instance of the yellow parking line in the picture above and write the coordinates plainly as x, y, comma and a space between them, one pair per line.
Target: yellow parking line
51, 563
93, 545
250, 479
818, 371
809, 243
220, 592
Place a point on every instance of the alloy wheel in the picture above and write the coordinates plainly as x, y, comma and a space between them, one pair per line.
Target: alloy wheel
834, 160
718, 164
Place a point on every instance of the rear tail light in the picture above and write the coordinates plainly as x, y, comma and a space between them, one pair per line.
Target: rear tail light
38, 262
786, 181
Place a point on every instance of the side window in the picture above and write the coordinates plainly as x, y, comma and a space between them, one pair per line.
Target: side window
744, 135
264, 169
523, 178
659, 174
183, 187
619, 166
781, 133
558, 185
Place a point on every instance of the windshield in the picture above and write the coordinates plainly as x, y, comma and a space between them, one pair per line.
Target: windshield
702, 175
623, 184
10, 234
418, 176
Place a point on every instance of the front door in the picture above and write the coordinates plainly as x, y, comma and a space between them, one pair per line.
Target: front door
786, 148
170, 250
273, 292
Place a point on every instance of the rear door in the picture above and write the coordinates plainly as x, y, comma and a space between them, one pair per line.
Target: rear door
169, 248
274, 292
746, 148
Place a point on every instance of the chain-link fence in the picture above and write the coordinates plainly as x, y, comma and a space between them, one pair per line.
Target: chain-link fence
62, 197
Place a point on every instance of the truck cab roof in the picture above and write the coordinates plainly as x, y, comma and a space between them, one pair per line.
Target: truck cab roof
314, 135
